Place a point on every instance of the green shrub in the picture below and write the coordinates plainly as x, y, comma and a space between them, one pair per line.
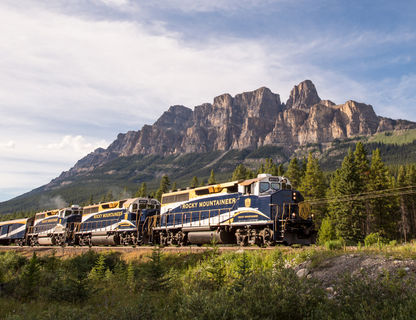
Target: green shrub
335, 244
374, 238
326, 231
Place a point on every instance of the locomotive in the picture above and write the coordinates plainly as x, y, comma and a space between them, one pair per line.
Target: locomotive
262, 211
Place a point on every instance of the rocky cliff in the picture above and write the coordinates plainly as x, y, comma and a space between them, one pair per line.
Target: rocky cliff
248, 120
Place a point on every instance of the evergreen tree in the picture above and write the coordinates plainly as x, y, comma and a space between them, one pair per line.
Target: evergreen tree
260, 170
280, 170
303, 167
98, 272
239, 173
163, 188
313, 186
91, 200
156, 276
268, 167
404, 213
174, 186
211, 179
30, 277
383, 209
109, 196
194, 182
294, 173
142, 191
348, 215
363, 169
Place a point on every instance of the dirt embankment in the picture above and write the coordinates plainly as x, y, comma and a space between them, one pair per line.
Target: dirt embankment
332, 270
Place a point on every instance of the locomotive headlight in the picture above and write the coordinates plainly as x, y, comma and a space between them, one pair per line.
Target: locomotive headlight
293, 215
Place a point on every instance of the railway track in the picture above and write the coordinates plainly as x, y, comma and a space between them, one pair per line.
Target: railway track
139, 250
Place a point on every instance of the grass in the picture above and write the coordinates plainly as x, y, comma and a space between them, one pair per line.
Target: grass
395, 137
243, 284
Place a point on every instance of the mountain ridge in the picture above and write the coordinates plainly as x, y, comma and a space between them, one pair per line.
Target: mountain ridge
246, 121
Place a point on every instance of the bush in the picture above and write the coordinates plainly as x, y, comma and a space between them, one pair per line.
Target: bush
374, 238
326, 231
335, 244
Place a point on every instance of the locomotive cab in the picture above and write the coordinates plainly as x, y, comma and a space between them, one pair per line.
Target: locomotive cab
264, 184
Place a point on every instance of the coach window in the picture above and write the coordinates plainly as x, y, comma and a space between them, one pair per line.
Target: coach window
264, 186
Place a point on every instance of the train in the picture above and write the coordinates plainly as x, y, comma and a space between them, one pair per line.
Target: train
263, 211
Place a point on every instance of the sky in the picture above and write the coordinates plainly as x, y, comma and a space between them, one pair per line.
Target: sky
74, 74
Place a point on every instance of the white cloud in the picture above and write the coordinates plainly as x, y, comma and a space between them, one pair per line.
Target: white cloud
66, 77
77, 144
8, 145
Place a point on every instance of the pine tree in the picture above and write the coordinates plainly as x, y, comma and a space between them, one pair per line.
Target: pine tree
239, 173
294, 173
211, 179
348, 215
109, 196
268, 167
174, 186
142, 191
30, 277
98, 271
363, 169
404, 213
383, 209
280, 170
313, 186
194, 182
156, 275
130, 277
163, 188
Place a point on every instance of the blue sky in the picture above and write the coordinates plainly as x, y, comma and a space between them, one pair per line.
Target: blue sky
76, 73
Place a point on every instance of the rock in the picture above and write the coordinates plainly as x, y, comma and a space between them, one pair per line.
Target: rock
302, 272
248, 120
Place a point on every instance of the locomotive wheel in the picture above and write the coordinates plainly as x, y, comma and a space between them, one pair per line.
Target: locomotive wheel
267, 237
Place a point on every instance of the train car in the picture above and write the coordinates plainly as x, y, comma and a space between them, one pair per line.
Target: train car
14, 231
123, 222
54, 227
262, 211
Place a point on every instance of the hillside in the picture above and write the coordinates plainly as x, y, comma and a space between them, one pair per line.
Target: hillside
246, 128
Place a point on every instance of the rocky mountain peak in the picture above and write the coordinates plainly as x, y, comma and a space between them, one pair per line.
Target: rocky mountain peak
303, 96
247, 121
176, 115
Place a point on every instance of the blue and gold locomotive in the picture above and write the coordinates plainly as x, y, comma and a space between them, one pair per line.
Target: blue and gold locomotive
54, 227
261, 211
123, 222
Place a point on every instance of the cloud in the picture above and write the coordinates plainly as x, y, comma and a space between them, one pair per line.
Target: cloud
76, 144
8, 145
75, 75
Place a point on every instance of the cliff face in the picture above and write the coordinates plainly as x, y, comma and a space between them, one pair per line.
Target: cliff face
248, 120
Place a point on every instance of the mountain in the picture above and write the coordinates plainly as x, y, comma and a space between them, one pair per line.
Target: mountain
247, 121
185, 142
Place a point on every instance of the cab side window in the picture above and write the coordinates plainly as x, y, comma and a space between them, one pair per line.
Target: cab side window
264, 186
